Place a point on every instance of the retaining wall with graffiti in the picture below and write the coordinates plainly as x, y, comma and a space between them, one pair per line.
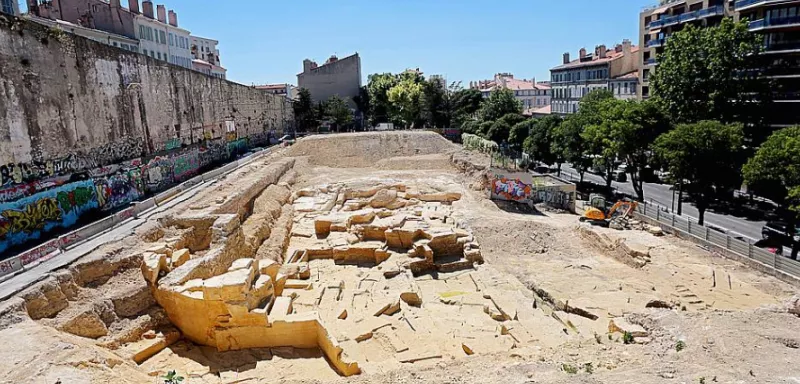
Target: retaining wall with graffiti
89, 128
527, 188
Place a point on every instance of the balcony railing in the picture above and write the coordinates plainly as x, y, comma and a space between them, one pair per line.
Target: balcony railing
774, 22
711, 11
741, 4
654, 43
782, 46
650, 61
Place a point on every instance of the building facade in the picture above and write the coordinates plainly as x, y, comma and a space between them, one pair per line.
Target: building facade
658, 22
341, 77
206, 57
529, 93
161, 39
97, 35
604, 69
779, 23
285, 90
108, 16
10, 7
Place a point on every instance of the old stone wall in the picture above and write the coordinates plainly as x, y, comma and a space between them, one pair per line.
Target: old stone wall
86, 127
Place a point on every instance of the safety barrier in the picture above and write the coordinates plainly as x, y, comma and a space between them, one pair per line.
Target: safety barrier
729, 243
52, 248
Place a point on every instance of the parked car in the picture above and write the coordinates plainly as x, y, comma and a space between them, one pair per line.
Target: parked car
779, 231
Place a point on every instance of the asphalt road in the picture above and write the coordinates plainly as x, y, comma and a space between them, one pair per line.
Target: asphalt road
662, 194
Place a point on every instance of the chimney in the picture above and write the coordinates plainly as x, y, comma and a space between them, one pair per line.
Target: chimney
618, 48
114, 4
601, 51
133, 5
626, 47
173, 19
147, 8
566, 57
307, 65
162, 13
582, 53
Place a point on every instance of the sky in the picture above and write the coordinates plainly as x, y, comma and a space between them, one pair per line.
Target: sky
265, 41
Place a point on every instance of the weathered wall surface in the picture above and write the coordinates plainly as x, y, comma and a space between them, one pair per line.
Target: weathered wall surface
75, 112
524, 187
342, 78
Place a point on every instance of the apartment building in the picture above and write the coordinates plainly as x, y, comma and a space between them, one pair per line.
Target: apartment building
658, 22
161, 39
529, 93
287, 90
779, 22
615, 70
108, 38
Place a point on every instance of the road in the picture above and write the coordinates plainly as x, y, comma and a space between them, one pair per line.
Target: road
662, 194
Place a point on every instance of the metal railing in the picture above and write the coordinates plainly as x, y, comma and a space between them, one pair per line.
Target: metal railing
746, 3
718, 237
651, 61
711, 11
774, 22
654, 43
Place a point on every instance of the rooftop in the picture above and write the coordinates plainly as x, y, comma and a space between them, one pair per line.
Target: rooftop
592, 59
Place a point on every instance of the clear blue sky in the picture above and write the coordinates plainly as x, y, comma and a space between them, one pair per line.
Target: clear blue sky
265, 41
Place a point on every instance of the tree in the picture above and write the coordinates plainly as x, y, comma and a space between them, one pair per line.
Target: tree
590, 117
501, 102
471, 127
435, 108
707, 156
569, 145
484, 128
714, 74
337, 111
465, 104
405, 101
363, 105
626, 130
520, 131
777, 164
539, 144
378, 87
304, 112
501, 128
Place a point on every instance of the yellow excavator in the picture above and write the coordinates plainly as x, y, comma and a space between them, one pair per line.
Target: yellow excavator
597, 214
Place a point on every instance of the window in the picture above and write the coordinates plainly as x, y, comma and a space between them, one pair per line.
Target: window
141, 32
125, 47
149, 33
159, 55
114, 43
171, 40
626, 87
163, 37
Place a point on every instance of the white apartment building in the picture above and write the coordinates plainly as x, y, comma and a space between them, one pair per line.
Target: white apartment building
206, 57
531, 95
162, 40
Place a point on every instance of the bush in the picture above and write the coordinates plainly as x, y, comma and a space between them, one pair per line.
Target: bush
477, 143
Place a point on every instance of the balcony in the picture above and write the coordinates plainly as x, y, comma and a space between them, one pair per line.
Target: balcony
776, 22
743, 5
718, 10
654, 43
650, 61
782, 47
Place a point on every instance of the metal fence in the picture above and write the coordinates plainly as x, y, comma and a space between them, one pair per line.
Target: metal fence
727, 240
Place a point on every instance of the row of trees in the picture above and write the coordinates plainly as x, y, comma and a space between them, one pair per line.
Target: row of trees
705, 124
309, 117
409, 100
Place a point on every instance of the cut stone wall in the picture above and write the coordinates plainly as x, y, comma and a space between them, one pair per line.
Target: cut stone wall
75, 112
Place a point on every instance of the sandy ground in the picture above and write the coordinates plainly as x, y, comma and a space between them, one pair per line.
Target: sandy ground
728, 323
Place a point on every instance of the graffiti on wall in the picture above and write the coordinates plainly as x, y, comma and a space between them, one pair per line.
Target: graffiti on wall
514, 189
119, 189
30, 217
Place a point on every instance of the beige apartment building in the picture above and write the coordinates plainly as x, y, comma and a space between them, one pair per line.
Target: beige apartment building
658, 22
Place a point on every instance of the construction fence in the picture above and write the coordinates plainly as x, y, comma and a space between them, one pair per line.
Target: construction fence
730, 244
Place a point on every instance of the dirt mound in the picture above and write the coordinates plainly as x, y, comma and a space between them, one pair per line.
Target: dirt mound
361, 150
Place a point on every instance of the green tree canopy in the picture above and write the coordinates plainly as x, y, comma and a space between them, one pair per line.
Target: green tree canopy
378, 86
435, 109
501, 102
405, 100
501, 128
520, 131
569, 145
484, 128
471, 127
337, 111
539, 143
707, 155
465, 104
304, 113
714, 74
777, 164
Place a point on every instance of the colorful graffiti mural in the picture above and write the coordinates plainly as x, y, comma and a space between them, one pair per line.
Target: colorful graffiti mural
30, 217
525, 188
37, 198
